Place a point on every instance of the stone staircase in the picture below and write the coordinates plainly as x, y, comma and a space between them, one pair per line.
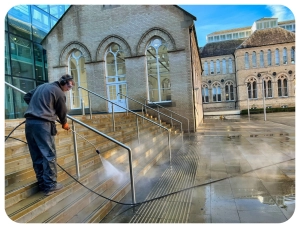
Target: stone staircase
106, 174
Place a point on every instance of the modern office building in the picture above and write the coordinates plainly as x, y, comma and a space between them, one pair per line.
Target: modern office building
25, 58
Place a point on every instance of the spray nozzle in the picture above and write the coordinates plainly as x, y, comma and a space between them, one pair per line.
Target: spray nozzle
98, 152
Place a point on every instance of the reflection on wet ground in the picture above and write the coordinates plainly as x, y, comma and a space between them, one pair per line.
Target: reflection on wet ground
243, 170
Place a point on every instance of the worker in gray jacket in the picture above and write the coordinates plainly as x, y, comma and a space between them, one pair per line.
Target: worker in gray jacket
46, 103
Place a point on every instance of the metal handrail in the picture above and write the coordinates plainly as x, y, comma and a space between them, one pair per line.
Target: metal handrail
153, 109
137, 115
103, 135
170, 111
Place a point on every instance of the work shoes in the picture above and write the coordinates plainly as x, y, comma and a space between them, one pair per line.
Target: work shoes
54, 189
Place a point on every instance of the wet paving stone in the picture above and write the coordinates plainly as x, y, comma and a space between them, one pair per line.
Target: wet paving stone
245, 173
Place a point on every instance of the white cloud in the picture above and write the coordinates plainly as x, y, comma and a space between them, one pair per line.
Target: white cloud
281, 12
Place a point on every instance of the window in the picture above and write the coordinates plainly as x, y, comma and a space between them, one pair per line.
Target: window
267, 87
205, 97
269, 57
216, 38
235, 35
205, 68
282, 86
76, 68
229, 94
210, 39
248, 33
277, 57
254, 59
40, 19
224, 66
218, 66
158, 71
216, 91
230, 65
293, 55
241, 34
212, 70
222, 37
261, 58
229, 36
252, 88
246, 60
284, 56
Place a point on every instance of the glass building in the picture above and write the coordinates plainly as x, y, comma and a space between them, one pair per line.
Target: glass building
25, 58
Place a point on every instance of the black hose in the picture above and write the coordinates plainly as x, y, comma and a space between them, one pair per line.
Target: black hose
172, 193
14, 129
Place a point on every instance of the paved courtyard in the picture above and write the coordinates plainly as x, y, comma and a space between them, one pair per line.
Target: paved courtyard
234, 170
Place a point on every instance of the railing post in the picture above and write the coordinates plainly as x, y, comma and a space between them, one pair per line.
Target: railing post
90, 105
137, 128
143, 114
171, 120
131, 176
169, 143
82, 107
113, 117
75, 150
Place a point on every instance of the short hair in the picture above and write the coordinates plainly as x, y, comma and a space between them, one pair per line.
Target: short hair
65, 79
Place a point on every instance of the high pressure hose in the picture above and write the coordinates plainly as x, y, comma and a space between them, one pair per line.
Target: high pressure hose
146, 201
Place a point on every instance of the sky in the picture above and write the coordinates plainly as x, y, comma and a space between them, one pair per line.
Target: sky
211, 18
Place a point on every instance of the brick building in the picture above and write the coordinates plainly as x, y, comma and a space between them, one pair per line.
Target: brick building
235, 68
142, 51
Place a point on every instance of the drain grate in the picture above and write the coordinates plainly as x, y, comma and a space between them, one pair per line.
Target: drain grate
173, 208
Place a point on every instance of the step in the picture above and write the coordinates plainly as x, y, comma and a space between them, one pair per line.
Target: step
29, 174
14, 215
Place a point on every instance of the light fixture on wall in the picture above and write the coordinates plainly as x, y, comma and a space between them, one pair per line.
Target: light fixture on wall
274, 73
258, 75
222, 80
209, 81
290, 72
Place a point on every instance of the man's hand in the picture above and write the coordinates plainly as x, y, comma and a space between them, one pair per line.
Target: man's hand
66, 126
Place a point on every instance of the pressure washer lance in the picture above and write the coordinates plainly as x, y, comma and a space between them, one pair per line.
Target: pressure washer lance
98, 152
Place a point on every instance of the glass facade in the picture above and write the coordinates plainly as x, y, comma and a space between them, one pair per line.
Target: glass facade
25, 58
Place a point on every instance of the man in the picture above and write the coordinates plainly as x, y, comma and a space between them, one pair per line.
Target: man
46, 103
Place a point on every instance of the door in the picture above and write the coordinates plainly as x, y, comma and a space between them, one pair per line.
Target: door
113, 91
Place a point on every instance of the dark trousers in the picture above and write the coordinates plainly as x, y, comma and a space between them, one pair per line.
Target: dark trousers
41, 145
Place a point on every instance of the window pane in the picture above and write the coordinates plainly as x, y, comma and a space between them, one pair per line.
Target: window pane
7, 59
40, 19
21, 56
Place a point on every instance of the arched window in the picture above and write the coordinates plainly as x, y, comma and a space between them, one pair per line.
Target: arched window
205, 68
218, 66
246, 60
229, 94
254, 59
261, 59
277, 57
252, 88
230, 65
212, 67
205, 95
216, 91
282, 86
269, 57
224, 66
284, 56
293, 55
159, 84
77, 70
267, 86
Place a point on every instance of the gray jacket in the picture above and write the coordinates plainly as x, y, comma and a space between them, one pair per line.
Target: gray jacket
47, 102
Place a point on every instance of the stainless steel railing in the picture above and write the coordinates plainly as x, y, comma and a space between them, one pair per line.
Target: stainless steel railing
159, 113
159, 106
100, 133
136, 114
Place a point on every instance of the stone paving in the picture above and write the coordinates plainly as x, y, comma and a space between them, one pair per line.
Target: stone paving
245, 173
